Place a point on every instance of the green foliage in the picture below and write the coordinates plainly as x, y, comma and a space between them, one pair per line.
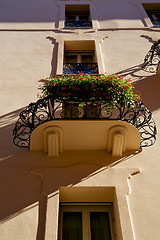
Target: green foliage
95, 89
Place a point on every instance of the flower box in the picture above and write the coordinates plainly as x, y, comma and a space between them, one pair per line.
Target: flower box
85, 89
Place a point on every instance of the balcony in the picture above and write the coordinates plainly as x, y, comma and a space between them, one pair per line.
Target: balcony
50, 109
76, 68
152, 59
78, 24
91, 105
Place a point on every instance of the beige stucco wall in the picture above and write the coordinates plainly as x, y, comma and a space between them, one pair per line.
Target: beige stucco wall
30, 181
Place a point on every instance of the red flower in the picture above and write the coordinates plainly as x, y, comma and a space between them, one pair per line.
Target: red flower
53, 84
63, 88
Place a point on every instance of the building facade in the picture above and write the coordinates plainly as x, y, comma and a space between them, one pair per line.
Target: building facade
90, 180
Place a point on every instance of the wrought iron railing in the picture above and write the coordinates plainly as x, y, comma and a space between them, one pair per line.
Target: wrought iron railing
76, 68
152, 59
156, 22
78, 24
48, 109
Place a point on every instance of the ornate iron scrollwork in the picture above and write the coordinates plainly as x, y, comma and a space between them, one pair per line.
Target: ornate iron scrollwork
76, 68
47, 109
78, 24
152, 59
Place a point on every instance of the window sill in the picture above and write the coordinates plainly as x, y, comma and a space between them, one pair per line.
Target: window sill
153, 26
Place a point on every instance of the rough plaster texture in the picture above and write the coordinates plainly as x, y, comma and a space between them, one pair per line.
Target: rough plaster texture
29, 37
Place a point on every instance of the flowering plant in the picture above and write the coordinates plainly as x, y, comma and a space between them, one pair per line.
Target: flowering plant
96, 89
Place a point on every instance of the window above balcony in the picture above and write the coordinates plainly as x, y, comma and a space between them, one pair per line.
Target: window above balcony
153, 12
80, 57
154, 16
77, 16
79, 62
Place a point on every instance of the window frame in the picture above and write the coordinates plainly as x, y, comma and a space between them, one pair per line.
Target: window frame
151, 8
79, 55
79, 48
86, 208
92, 11
97, 55
152, 16
76, 14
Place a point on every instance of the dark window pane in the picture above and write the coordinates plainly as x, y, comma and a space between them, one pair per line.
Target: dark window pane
71, 18
157, 16
71, 59
83, 18
87, 58
153, 14
100, 226
72, 226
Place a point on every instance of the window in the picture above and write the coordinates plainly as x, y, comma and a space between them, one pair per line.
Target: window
79, 57
154, 17
86, 222
77, 16
153, 12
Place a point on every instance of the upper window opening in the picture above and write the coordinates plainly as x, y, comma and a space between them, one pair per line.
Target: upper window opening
77, 15
154, 16
153, 12
80, 57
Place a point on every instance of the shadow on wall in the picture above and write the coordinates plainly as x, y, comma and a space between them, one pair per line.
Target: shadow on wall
48, 11
148, 86
21, 187
27, 11
54, 56
132, 71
